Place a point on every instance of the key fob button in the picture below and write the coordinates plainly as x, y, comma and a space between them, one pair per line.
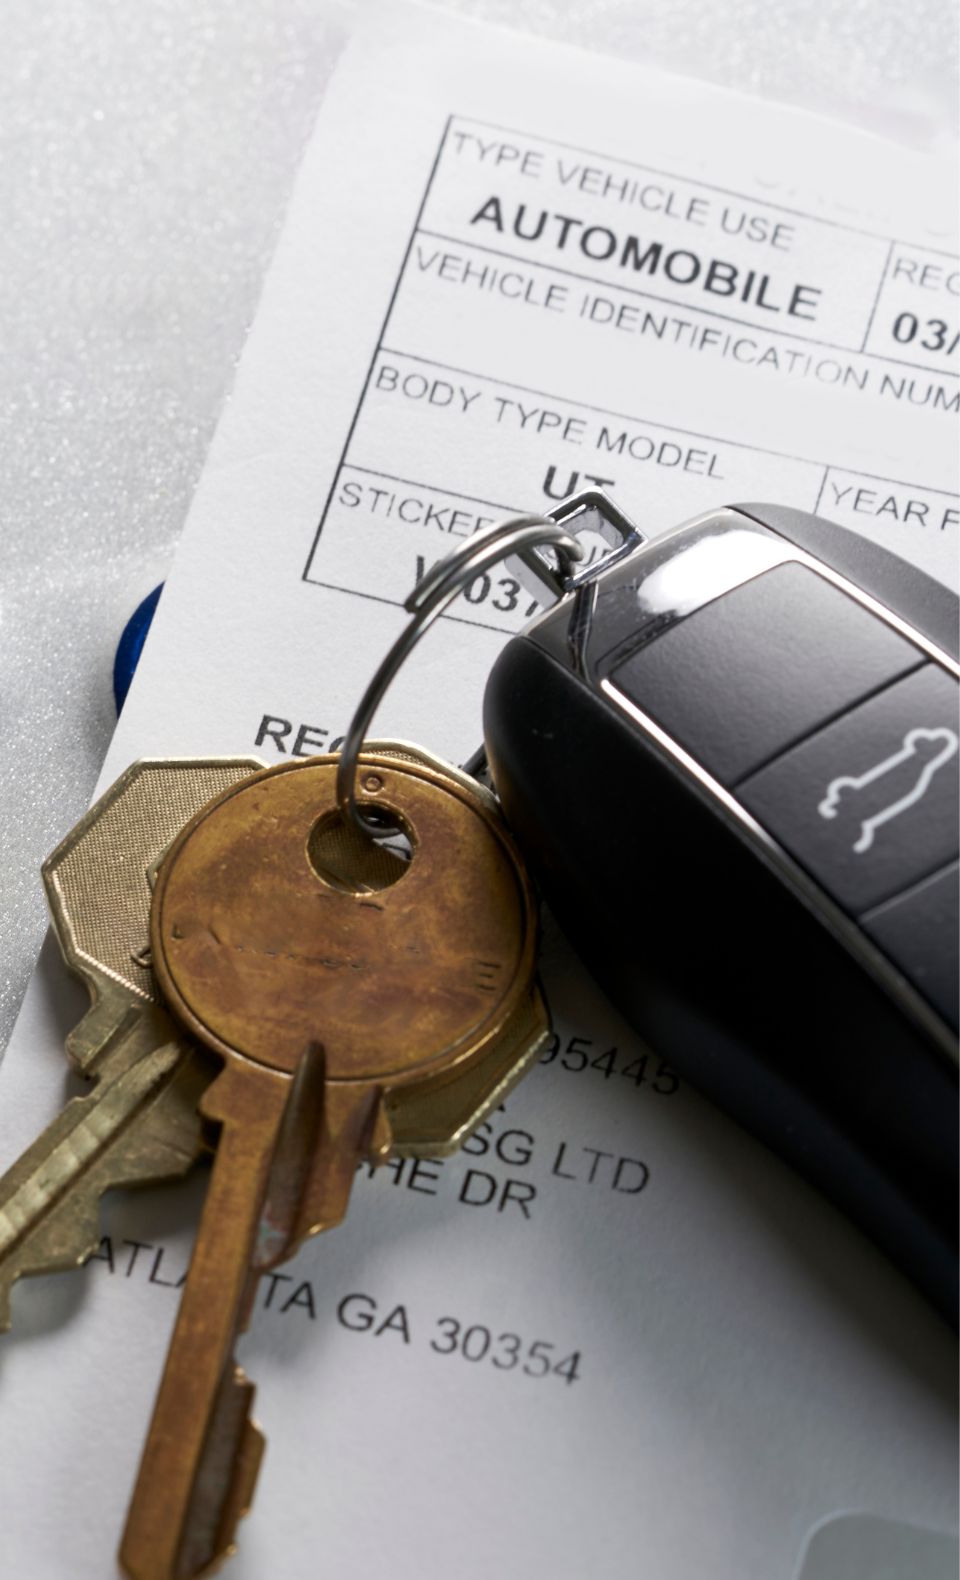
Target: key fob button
773, 659
868, 804
920, 931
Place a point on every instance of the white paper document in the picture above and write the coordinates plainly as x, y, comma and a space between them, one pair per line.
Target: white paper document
614, 1337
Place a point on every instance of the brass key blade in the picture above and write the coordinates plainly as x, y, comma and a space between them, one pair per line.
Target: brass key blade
421, 982
203, 1452
158, 1543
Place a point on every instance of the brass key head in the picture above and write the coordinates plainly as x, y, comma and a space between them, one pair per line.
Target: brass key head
417, 977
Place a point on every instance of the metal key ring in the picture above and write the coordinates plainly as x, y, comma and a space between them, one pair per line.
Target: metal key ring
516, 535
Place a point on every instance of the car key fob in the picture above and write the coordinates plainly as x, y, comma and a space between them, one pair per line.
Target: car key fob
730, 755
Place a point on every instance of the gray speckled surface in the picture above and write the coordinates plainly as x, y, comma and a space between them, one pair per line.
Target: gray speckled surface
146, 154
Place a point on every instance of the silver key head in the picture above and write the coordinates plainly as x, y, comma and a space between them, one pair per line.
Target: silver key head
99, 882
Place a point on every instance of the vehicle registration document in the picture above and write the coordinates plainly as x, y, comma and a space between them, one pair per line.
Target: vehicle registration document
614, 1337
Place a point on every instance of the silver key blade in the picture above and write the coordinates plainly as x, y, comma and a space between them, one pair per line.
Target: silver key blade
138, 1127
140, 1124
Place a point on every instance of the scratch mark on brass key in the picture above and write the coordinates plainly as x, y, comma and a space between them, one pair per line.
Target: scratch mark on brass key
296, 1147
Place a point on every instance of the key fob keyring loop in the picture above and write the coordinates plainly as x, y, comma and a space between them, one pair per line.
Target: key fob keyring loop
517, 535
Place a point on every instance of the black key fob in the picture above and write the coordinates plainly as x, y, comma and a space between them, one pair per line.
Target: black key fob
730, 755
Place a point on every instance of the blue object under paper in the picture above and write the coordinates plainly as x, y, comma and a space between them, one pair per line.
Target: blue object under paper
131, 643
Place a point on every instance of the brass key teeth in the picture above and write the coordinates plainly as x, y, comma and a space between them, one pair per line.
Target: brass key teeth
231, 1459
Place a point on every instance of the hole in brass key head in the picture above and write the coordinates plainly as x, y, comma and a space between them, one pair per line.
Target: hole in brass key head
346, 861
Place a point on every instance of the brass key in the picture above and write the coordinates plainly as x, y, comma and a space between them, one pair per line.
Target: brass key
363, 1005
140, 1124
